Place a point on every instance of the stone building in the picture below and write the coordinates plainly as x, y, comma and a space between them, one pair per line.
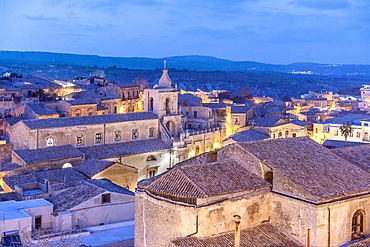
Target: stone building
307, 193
85, 131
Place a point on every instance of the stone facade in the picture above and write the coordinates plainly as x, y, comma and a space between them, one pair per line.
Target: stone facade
84, 135
176, 220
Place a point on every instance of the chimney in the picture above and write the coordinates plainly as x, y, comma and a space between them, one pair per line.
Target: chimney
237, 219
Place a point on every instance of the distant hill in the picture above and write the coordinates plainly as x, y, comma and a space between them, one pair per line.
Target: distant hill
191, 63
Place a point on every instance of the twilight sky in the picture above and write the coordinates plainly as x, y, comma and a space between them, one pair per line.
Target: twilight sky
268, 31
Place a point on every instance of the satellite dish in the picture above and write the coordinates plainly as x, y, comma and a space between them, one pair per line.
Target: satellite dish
67, 165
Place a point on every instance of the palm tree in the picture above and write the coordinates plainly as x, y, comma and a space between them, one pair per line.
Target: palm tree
346, 129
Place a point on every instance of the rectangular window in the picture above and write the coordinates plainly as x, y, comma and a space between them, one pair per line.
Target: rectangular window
135, 134
358, 134
151, 132
38, 222
90, 113
195, 114
152, 172
336, 132
316, 130
117, 136
105, 198
79, 140
98, 138
294, 135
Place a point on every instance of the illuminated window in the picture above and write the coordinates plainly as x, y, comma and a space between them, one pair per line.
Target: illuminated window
197, 150
286, 133
50, 141
280, 135
117, 135
135, 134
79, 139
98, 138
151, 132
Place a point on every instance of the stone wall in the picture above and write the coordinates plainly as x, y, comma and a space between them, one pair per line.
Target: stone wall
246, 159
154, 217
6, 153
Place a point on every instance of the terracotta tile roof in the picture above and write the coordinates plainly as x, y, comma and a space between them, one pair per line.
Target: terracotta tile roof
9, 167
315, 168
87, 120
359, 243
359, 155
84, 191
248, 135
186, 183
261, 235
93, 166
123, 148
40, 108
341, 144
48, 154
67, 176
74, 196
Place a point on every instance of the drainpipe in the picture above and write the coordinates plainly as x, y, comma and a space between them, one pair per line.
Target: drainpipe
309, 238
237, 219
328, 227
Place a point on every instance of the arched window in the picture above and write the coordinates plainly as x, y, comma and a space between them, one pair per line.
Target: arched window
151, 104
135, 134
197, 150
151, 132
358, 224
117, 136
78, 113
268, 177
80, 139
167, 106
90, 112
151, 158
50, 141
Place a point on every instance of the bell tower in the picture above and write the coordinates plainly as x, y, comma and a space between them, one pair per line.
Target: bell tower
162, 100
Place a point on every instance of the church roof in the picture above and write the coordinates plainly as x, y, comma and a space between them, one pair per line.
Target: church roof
261, 235
87, 120
48, 154
165, 80
316, 169
187, 183
123, 148
358, 155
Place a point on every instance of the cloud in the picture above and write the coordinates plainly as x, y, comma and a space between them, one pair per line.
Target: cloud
39, 18
322, 5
